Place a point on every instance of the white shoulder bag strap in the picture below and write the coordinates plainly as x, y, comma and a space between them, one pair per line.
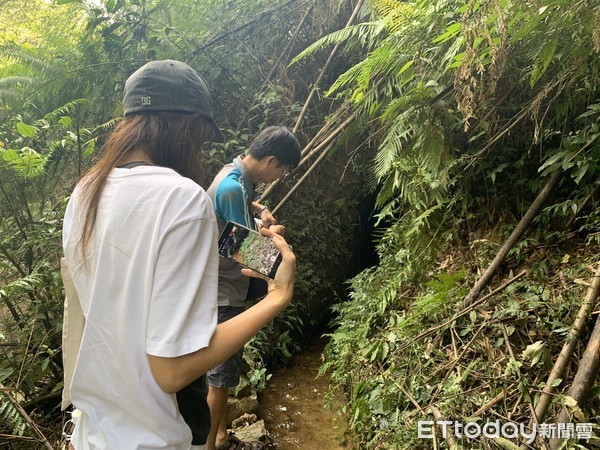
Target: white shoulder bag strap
73, 322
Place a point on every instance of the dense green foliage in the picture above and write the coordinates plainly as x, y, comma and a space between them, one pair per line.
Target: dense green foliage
62, 66
460, 110
470, 104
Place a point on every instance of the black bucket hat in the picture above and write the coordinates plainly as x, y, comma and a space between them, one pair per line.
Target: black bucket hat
170, 86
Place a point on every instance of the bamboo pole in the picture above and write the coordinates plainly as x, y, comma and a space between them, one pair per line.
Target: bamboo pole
281, 56
306, 154
301, 180
335, 133
586, 375
562, 361
512, 239
450, 439
324, 68
567, 351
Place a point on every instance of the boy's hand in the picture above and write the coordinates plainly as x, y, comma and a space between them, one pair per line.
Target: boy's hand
267, 218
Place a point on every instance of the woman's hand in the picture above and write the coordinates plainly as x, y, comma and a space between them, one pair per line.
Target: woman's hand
283, 283
277, 229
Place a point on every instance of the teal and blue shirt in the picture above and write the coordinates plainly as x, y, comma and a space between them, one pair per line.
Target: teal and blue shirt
232, 194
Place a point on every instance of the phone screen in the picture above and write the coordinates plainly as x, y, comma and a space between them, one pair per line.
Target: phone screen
249, 248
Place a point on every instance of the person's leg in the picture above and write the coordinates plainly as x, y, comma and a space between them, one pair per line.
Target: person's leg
220, 379
217, 402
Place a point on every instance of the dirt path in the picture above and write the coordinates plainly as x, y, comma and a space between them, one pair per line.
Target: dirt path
292, 406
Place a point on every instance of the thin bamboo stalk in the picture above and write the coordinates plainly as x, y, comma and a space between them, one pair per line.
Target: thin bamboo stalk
569, 347
586, 375
324, 69
301, 180
305, 159
562, 361
512, 239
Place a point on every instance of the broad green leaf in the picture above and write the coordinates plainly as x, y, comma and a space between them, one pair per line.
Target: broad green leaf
10, 155
65, 120
407, 65
25, 130
89, 148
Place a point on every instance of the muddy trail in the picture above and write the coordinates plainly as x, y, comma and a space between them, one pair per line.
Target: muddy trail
293, 406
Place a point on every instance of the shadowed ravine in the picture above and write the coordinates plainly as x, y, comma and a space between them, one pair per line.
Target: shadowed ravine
292, 406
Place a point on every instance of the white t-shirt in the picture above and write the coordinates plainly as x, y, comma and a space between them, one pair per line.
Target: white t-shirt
150, 286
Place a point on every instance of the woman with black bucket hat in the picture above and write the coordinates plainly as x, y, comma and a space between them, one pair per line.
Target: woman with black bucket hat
140, 245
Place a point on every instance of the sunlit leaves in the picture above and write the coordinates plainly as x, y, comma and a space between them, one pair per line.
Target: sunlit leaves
25, 161
25, 130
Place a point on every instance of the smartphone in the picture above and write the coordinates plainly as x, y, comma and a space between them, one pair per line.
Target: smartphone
249, 248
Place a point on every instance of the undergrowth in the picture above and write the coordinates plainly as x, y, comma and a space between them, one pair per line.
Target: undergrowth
400, 350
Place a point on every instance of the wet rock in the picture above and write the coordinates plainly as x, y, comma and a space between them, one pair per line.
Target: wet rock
237, 407
255, 432
244, 420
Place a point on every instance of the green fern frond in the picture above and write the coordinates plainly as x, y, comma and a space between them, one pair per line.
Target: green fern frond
400, 132
395, 14
65, 109
356, 35
347, 78
26, 283
109, 125
17, 81
11, 422
7, 96
12, 88
21, 55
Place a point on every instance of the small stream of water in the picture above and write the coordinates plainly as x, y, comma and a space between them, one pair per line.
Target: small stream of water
292, 406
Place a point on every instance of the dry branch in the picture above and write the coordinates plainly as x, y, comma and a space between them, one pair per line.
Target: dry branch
464, 311
512, 239
27, 419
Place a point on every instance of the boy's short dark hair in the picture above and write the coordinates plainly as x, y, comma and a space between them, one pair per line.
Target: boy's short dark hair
278, 142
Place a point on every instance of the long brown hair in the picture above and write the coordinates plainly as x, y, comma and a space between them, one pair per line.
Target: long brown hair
168, 139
